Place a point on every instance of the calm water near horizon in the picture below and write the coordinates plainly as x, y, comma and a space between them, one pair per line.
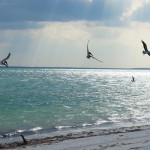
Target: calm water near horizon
51, 99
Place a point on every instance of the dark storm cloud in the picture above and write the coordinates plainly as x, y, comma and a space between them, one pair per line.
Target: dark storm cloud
60, 10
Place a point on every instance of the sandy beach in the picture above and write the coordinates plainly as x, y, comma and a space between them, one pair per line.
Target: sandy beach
124, 138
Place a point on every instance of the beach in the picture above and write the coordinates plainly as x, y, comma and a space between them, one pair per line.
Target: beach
124, 138
71, 109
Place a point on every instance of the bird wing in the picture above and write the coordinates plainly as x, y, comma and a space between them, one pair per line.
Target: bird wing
88, 52
6, 57
87, 47
144, 45
97, 59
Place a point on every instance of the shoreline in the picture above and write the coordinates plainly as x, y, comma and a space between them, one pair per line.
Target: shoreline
105, 134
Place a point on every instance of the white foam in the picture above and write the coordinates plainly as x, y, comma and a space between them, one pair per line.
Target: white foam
86, 124
100, 122
20, 131
62, 127
35, 129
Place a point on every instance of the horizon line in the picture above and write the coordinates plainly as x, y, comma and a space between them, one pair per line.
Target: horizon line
76, 67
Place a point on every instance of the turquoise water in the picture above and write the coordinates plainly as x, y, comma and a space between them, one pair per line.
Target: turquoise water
49, 99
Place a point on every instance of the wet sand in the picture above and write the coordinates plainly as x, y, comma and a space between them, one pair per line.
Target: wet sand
124, 138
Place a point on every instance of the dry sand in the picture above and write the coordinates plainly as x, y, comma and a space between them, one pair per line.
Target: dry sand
124, 138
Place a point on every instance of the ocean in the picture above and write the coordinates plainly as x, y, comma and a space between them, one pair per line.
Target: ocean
40, 100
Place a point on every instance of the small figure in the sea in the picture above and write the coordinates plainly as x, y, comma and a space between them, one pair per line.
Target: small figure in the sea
4, 62
89, 54
133, 79
145, 48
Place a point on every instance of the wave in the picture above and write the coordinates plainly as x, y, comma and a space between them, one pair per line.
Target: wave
19, 132
63, 127
97, 124
35, 129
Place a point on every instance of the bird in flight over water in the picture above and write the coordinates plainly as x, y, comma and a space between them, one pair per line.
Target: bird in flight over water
4, 61
89, 54
133, 80
145, 48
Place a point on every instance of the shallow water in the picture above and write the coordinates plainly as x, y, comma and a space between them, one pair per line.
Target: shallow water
47, 99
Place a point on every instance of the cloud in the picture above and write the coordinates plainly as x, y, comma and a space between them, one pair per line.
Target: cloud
142, 15
134, 7
61, 31
20, 25
54, 10
28, 14
59, 10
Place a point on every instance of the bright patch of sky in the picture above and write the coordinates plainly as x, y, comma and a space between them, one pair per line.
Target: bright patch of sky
135, 5
54, 33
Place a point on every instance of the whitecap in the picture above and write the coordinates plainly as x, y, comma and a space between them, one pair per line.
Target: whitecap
86, 124
35, 129
62, 127
20, 131
99, 122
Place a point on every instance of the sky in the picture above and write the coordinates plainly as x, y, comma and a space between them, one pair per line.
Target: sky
54, 33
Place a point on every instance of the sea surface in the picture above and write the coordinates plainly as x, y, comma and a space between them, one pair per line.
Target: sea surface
38, 100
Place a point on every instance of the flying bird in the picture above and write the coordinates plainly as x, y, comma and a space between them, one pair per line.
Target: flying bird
4, 61
89, 54
133, 79
145, 48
